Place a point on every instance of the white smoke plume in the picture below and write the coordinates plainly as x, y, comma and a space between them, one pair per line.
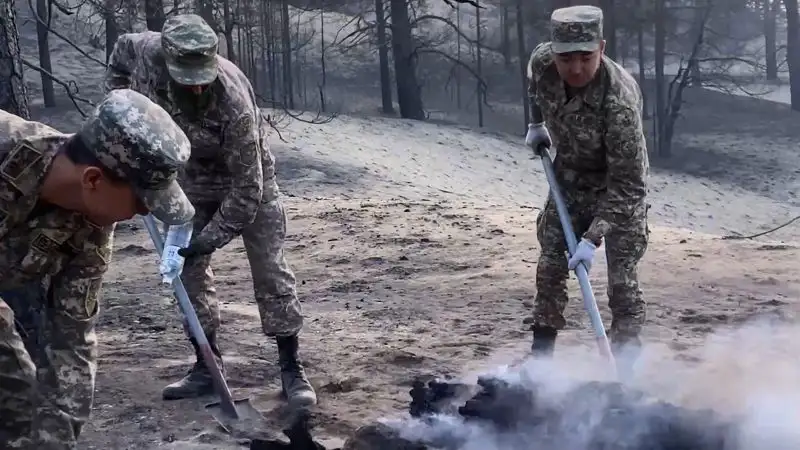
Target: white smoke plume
748, 375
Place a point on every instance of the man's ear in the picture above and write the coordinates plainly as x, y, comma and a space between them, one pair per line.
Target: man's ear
91, 177
603, 46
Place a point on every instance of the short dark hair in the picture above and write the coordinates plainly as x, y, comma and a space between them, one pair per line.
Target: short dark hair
77, 152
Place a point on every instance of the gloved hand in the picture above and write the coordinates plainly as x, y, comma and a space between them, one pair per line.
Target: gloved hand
178, 236
171, 264
538, 137
198, 247
583, 254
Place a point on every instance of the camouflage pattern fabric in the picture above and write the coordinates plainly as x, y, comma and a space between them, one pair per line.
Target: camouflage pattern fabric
273, 280
230, 177
624, 247
602, 168
139, 142
576, 29
190, 49
45, 406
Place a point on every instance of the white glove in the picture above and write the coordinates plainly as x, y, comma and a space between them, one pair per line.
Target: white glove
538, 136
583, 254
171, 264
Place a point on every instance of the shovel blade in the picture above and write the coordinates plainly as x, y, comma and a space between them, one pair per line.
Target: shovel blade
249, 423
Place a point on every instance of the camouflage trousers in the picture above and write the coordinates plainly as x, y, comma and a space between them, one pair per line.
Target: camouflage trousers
624, 246
32, 413
273, 280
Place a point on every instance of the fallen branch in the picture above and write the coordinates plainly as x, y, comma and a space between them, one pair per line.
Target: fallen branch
57, 34
67, 85
753, 236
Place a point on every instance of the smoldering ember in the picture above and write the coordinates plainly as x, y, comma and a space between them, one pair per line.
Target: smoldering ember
516, 412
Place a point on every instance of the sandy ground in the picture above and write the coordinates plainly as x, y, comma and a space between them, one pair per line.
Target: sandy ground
415, 252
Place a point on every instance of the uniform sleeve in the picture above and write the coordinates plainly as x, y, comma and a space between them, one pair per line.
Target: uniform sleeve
131, 51
121, 63
626, 157
239, 207
71, 349
537, 63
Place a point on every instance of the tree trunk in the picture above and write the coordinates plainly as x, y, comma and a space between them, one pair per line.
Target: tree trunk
660, 106
112, 28
409, 95
770, 38
286, 52
42, 37
154, 14
642, 59
505, 44
383, 59
457, 69
523, 62
227, 19
479, 87
13, 95
609, 28
793, 51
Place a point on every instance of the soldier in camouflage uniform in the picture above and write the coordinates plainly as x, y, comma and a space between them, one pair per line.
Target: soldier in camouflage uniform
60, 196
230, 179
592, 106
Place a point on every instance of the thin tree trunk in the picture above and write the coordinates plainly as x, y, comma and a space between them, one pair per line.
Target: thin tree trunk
770, 38
479, 64
286, 51
793, 50
43, 38
383, 59
13, 95
523, 62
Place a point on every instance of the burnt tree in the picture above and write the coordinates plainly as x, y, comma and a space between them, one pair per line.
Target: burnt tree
13, 96
409, 93
154, 14
793, 50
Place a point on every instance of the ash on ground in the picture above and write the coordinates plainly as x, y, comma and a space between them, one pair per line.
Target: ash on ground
515, 411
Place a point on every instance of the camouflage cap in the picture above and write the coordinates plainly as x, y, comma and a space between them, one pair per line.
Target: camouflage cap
137, 140
190, 49
576, 29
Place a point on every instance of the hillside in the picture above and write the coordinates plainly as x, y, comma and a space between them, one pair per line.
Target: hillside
414, 247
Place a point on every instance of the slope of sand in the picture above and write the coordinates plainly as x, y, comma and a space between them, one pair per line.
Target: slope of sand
415, 252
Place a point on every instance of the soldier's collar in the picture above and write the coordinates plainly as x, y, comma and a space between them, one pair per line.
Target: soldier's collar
592, 93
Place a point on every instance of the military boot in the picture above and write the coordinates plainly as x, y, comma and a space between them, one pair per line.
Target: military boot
544, 341
198, 381
296, 388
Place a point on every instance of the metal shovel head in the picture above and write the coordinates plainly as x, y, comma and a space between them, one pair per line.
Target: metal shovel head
250, 422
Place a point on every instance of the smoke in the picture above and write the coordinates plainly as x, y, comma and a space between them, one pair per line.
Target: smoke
738, 389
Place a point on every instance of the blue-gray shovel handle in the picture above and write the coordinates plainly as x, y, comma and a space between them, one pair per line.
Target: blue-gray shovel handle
589, 301
220, 385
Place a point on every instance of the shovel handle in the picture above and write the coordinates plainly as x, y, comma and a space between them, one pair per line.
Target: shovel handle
220, 385
589, 302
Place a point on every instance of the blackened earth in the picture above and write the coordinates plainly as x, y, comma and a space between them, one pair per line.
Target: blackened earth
590, 416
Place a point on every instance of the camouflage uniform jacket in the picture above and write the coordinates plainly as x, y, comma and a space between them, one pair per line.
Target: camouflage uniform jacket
229, 148
598, 136
38, 241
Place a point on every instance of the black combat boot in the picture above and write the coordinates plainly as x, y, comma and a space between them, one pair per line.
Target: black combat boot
296, 388
544, 341
198, 382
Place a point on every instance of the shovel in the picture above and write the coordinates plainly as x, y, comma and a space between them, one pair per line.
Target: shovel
237, 417
589, 301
